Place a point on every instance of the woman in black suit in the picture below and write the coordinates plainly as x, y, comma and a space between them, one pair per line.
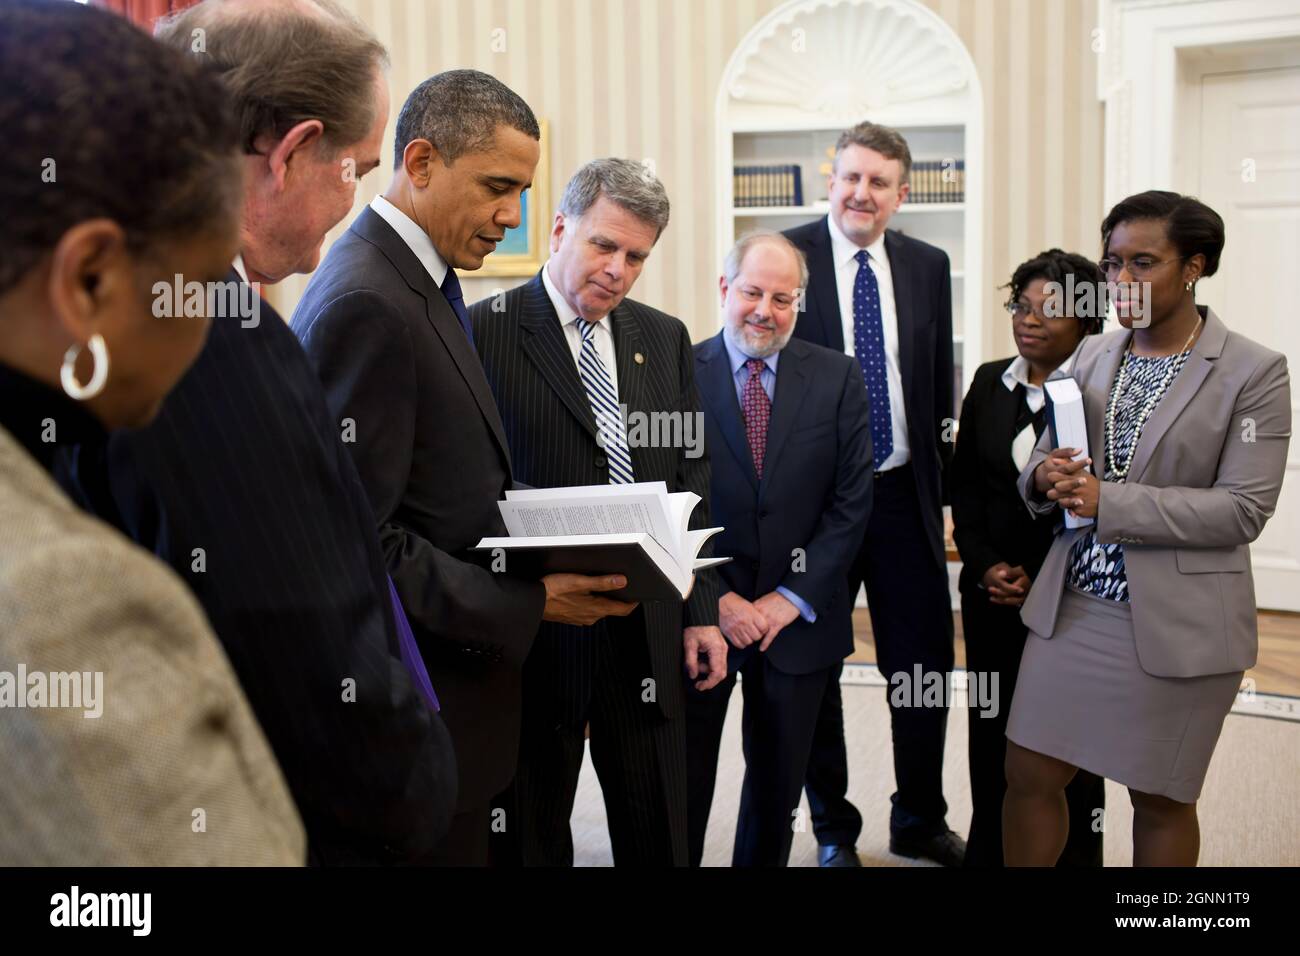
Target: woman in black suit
1002, 544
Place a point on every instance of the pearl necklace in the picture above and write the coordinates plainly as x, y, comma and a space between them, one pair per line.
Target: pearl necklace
1153, 399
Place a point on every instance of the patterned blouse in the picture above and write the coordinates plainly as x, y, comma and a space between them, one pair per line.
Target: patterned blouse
1094, 567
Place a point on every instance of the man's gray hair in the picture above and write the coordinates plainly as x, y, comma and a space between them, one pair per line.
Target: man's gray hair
886, 141
624, 182
285, 63
458, 112
736, 257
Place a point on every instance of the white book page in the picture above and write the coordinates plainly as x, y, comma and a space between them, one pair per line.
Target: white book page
599, 513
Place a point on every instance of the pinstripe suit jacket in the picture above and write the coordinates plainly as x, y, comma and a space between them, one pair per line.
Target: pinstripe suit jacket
175, 733
245, 463
552, 435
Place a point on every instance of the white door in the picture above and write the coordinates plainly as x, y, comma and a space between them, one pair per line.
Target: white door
1249, 172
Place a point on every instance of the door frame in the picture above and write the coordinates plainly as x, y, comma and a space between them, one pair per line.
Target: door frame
1152, 51
1140, 43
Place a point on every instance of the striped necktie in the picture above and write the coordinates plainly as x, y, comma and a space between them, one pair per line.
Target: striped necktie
604, 405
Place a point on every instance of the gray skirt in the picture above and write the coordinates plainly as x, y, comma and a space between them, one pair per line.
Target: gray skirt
1082, 697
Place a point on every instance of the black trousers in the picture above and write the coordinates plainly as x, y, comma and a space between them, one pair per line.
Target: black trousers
638, 754
780, 715
466, 841
911, 619
995, 640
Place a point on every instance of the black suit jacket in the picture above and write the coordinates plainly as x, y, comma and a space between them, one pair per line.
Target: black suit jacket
432, 455
923, 301
990, 520
815, 494
244, 462
552, 435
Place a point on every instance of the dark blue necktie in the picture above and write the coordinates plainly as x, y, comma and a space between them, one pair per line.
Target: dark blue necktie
869, 347
456, 298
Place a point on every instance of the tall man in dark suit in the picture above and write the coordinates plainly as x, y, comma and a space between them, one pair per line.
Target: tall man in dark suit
572, 361
385, 323
790, 444
886, 299
242, 484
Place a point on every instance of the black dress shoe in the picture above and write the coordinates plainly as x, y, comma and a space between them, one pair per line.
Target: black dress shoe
834, 855
946, 848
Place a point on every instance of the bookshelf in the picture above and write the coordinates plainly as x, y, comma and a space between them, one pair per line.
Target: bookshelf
812, 68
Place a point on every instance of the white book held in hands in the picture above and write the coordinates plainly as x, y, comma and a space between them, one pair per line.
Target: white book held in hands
637, 530
1068, 426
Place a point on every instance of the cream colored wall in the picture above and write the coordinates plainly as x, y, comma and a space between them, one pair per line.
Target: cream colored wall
638, 78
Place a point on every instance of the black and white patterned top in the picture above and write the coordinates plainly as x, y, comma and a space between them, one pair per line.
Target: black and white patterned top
1095, 567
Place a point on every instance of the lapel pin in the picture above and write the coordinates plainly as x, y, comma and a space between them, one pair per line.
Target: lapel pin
638, 358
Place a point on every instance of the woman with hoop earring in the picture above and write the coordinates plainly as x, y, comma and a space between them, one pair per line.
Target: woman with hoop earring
120, 170
1142, 623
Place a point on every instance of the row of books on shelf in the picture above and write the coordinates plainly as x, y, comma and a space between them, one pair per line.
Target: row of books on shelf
933, 181
938, 180
768, 185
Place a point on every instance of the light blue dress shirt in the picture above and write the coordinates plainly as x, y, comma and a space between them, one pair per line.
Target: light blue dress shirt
740, 375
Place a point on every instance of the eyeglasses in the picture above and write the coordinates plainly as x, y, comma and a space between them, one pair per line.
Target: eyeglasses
1139, 267
1019, 310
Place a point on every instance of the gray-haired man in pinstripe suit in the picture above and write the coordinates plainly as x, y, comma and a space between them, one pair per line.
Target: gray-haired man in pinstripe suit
571, 361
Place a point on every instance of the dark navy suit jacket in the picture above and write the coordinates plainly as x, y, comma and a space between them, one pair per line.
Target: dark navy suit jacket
243, 486
923, 301
432, 455
815, 494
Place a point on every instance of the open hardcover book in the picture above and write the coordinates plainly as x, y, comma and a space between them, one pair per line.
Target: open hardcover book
638, 530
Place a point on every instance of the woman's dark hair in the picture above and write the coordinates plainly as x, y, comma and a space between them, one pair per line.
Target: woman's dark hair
1053, 266
102, 121
1192, 226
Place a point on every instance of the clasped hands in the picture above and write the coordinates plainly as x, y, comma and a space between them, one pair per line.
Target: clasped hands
1068, 483
745, 623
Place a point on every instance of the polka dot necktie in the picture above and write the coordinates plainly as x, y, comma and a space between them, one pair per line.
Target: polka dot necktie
757, 408
604, 405
869, 347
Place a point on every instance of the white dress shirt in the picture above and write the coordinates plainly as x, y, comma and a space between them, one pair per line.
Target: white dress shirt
238, 266
416, 238
604, 332
1017, 373
843, 251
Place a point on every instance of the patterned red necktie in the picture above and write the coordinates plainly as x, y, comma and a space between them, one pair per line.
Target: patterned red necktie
757, 409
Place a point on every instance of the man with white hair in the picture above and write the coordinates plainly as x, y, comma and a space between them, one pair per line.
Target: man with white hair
243, 485
789, 437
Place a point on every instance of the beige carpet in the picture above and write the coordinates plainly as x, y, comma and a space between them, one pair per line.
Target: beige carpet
1249, 809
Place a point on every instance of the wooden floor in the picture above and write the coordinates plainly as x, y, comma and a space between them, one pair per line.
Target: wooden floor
1278, 670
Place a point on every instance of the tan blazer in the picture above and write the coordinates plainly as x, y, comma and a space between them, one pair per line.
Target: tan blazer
175, 771
1204, 479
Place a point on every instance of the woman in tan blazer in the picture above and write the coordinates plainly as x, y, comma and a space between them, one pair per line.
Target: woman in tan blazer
1143, 623
124, 736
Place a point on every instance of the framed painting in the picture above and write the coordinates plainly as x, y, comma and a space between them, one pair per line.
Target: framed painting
525, 247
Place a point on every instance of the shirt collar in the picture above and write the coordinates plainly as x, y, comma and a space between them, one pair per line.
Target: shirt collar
844, 250
416, 238
1017, 373
563, 310
738, 358
238, 266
